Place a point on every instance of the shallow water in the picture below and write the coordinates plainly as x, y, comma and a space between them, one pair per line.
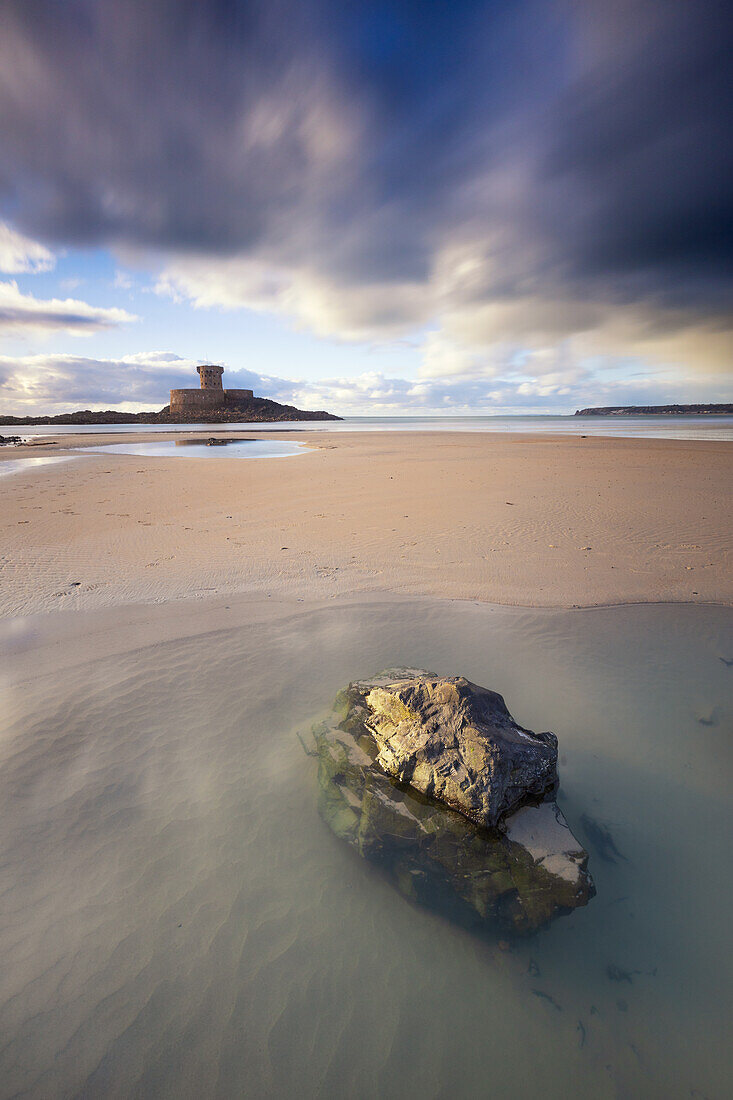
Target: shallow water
188, 448
718, 428
31, 462
177, 921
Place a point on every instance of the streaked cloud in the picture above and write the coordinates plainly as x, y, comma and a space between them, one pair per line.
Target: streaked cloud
359, 313
25, 315
19, 254
494, 181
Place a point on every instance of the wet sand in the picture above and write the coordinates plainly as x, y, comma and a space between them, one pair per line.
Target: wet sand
521, 520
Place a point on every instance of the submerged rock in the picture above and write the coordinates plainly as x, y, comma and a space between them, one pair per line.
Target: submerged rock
516, 874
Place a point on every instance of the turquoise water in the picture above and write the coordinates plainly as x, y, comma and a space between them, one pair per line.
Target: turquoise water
177, 921
648, 427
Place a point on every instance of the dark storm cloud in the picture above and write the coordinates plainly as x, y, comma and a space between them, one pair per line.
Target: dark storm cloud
644, 133
585, 145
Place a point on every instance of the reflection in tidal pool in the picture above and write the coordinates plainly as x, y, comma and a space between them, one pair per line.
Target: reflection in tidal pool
203, 448
178, 921
28, 463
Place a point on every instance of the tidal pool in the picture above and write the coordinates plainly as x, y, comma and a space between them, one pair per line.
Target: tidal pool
195, 448
177, 921
24, 465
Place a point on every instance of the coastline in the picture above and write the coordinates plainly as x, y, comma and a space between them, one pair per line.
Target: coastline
526, 521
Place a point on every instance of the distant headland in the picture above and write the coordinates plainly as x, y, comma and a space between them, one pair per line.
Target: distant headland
210, 403
658, 410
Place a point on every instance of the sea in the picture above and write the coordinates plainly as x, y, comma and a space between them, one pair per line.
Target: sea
718, 428
178, 922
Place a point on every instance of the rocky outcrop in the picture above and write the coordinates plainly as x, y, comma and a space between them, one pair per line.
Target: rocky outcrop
456, 741
513, 876
253, 410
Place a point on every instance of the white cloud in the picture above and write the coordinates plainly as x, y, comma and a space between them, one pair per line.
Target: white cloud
443, 357
477, 322
62, 383
589, 327
358, 313
23, 314
20, 255
122, 280
374, 394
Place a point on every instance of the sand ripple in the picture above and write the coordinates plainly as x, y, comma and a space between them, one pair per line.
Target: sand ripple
176, 921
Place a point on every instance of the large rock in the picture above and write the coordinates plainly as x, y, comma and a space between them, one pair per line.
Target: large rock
514, 876
458, 742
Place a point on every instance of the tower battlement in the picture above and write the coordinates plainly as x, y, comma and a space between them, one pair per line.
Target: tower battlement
210, 377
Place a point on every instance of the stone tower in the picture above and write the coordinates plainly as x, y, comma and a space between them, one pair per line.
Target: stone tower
212, 397
210, 377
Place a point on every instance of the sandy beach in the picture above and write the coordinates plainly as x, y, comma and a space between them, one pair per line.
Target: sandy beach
533, 521
173, 627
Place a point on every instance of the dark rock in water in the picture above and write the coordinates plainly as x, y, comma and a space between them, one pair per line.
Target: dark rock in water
516, 875
456, 741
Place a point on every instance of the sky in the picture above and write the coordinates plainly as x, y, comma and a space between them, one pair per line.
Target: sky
378, 208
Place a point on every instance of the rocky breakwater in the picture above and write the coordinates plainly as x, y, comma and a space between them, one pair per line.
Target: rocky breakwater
432, 779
